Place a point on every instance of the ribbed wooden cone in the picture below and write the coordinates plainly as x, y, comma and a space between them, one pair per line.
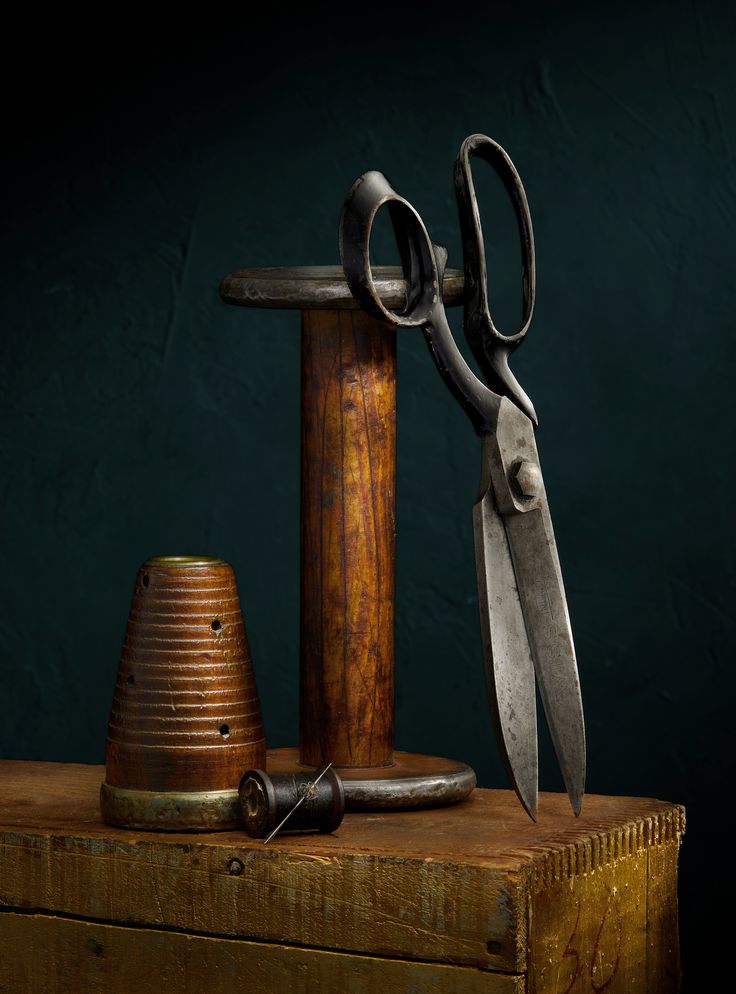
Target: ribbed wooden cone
186, 720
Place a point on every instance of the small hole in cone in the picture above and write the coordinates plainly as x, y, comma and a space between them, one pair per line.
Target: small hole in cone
216, 625
146, 579
130, 680
225, 731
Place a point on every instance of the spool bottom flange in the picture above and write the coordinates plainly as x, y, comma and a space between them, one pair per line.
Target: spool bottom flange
414, 781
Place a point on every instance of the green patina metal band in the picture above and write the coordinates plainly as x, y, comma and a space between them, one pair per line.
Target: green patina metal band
184, 561
171, 811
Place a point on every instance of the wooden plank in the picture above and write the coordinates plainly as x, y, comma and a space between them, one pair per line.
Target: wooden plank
609, 925
663, 947
593, 937
45, 955
472, 884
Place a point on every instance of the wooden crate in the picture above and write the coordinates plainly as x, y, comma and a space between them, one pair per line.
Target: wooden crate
470, 898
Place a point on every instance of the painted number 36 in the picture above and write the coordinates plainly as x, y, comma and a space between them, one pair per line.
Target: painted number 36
604, 961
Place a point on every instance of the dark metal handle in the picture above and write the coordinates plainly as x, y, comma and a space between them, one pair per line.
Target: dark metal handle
423, 263
474, 257
423, 282
489, 346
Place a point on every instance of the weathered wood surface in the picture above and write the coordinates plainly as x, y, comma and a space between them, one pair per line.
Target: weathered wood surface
348, 539
575, 905
44, 955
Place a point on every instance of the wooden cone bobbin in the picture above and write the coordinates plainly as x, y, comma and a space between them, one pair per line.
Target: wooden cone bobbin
185, 720
348, 501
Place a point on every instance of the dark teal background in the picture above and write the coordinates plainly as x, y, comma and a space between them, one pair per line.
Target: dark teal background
140, 415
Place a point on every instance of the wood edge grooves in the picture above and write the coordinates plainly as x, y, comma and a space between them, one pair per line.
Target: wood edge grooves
603, 847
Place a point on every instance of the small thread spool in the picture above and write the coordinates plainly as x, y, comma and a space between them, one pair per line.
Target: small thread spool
266, 800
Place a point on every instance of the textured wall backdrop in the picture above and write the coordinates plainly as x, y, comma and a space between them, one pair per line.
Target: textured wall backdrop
140, 415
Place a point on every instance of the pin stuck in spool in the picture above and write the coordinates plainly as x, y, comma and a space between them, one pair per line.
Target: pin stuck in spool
302, 802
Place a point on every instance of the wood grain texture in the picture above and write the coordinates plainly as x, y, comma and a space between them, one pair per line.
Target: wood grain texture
185, 713
663, 948
44, 955
584, 904
348, 539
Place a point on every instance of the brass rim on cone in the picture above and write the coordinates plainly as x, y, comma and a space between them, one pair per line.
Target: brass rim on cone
170, 811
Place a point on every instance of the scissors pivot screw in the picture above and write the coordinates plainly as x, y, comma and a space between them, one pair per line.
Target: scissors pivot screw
526, 479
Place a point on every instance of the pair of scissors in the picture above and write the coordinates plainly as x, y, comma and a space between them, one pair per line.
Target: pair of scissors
525, 625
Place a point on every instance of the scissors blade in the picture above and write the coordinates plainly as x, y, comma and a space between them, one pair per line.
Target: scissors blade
506, 652
528, 527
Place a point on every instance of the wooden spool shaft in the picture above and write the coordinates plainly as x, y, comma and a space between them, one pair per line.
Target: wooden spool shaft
348, 480
348, 537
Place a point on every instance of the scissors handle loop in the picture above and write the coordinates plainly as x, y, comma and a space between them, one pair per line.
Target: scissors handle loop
423, 264
479, 325
368, 194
